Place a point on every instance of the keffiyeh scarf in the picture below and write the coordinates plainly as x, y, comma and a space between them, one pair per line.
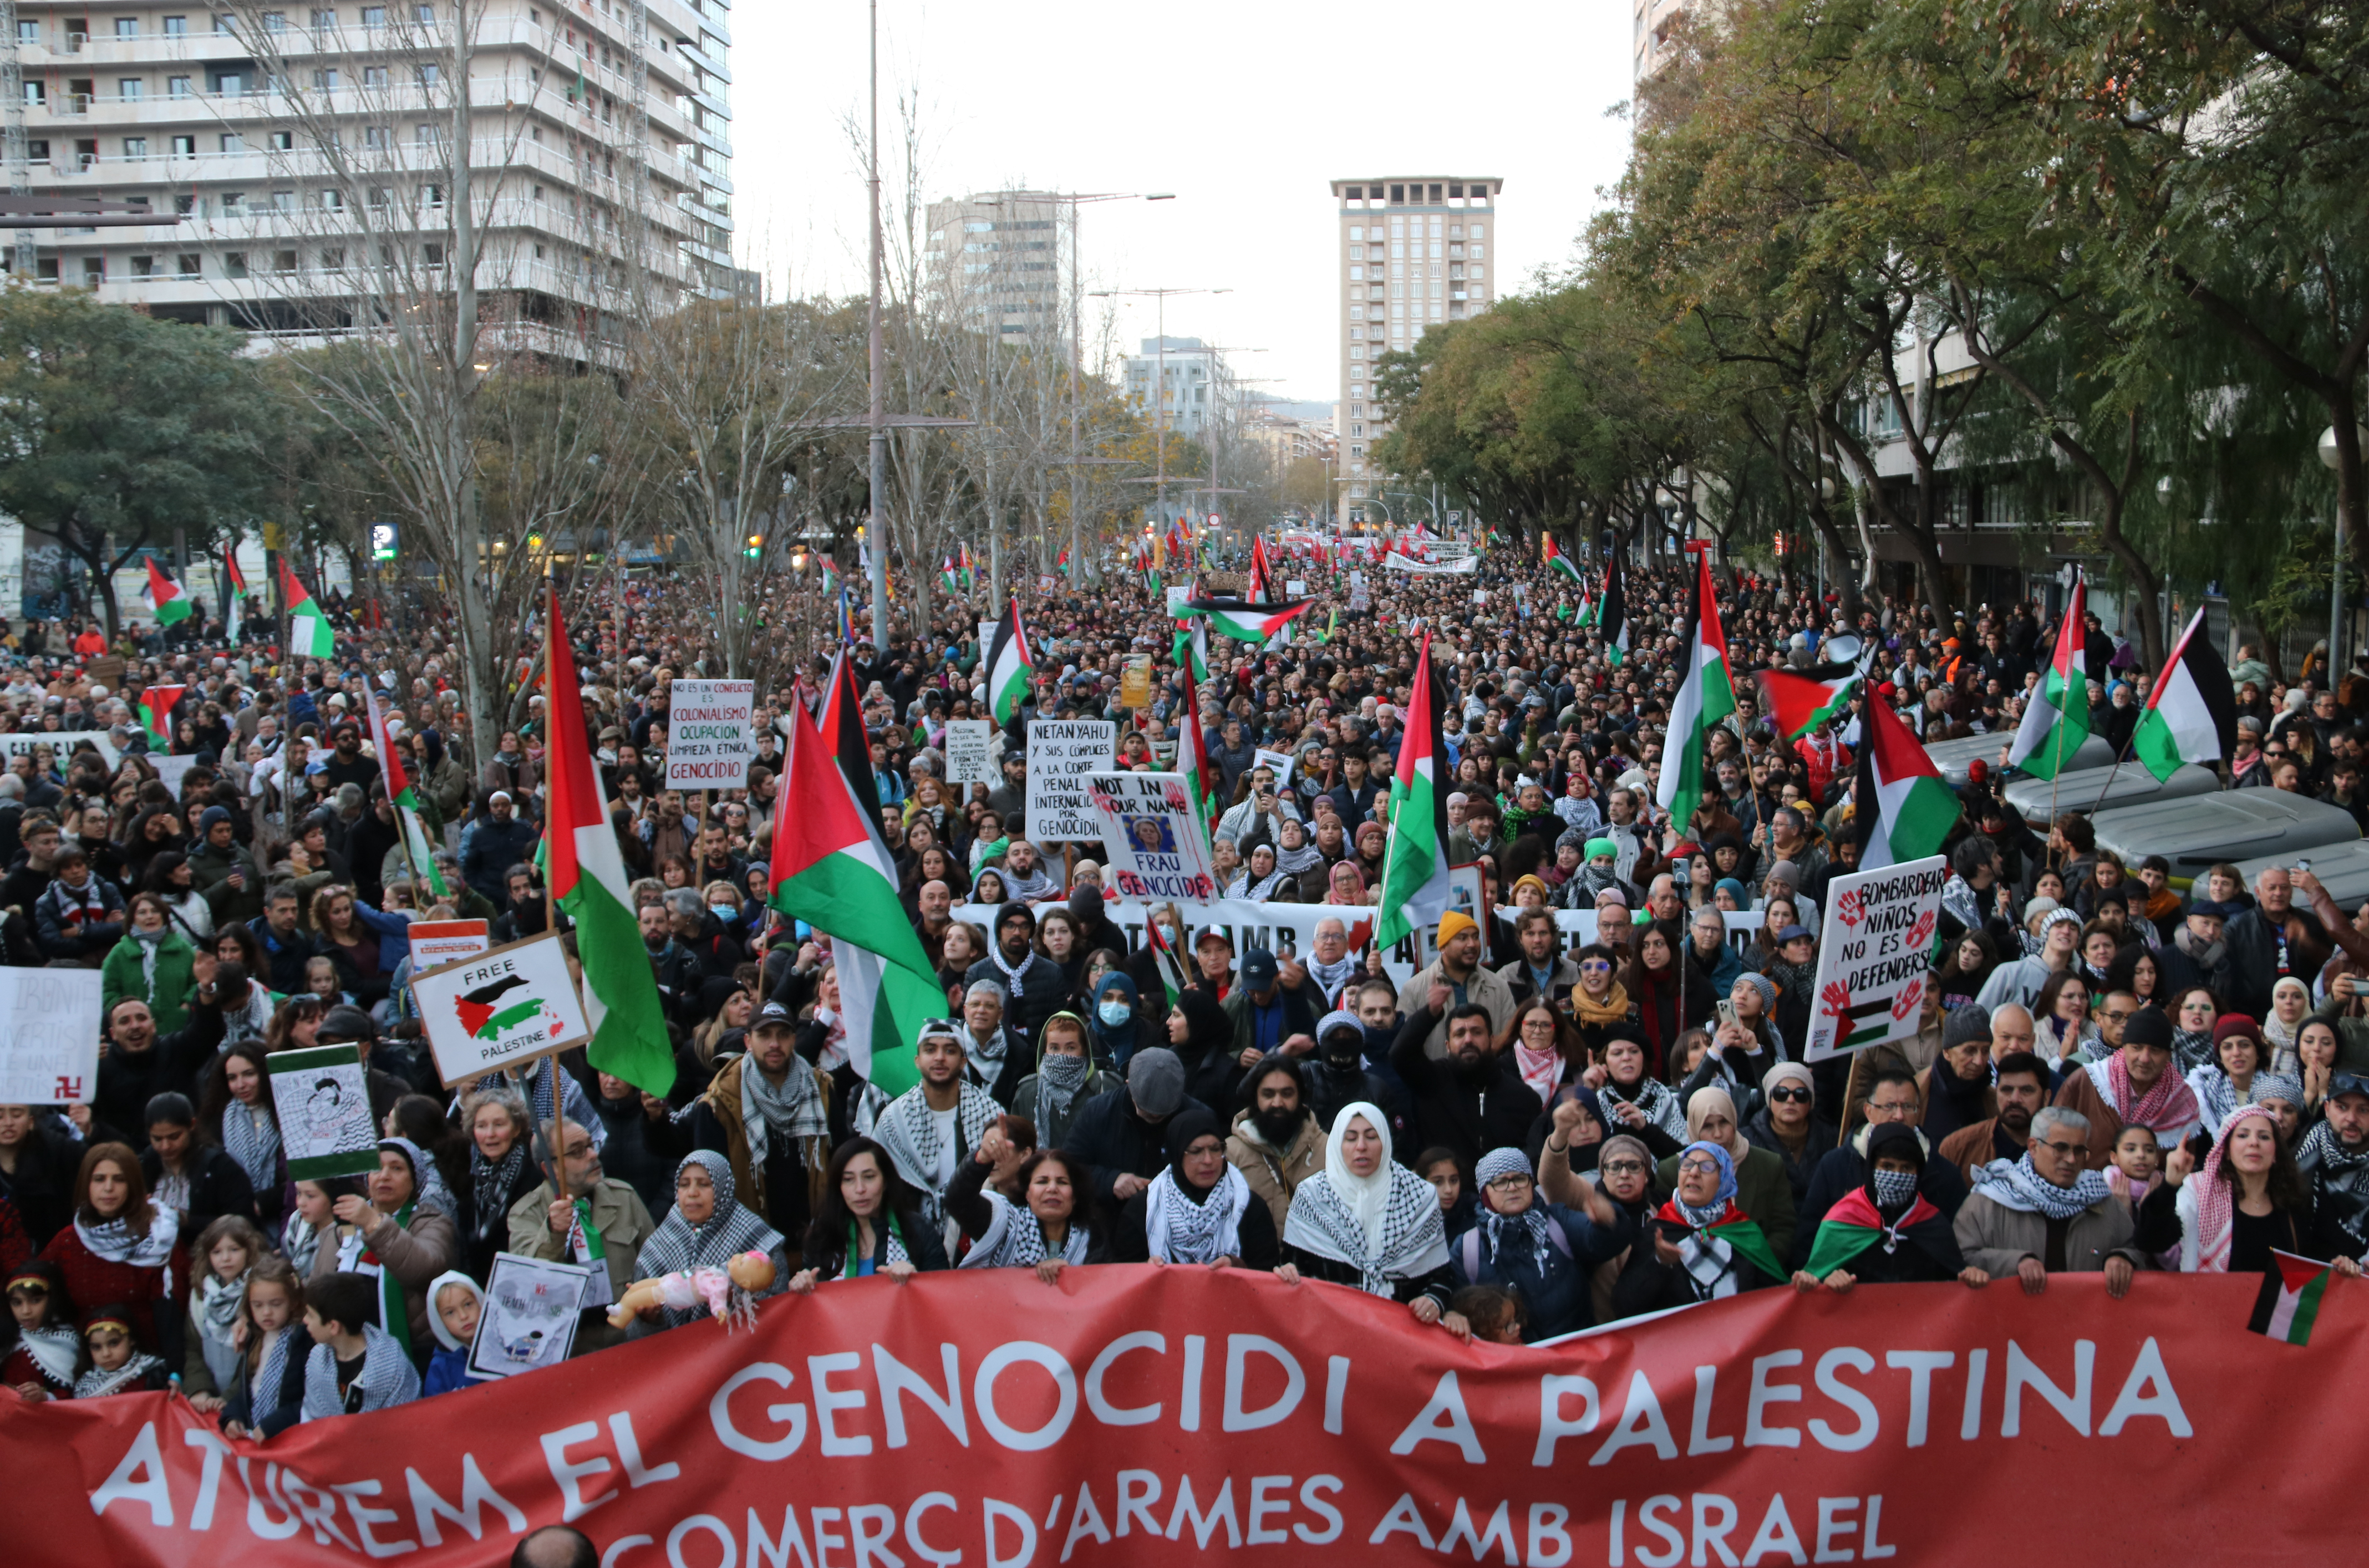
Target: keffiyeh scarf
490, 1183
2168, 1108
984, 1058
1334, 976
2216, 1196
908, 1130
1298, 861
251, 1137
1015, 1237
1414, 1241
96, 1384
792, 1111
1058, 1079
678, 1246
1652, 1096
55, 1352
2017, 1185
386, 1377
2324, 1154
1263, 888
216, 1307
111, 1240
1184, 1229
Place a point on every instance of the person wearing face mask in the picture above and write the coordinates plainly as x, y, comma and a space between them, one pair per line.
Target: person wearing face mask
1066, 1078
1885, 1232
1115, 1025
1340, 1077
1277, 1141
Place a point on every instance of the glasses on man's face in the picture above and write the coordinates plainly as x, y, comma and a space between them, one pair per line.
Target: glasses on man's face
2064, 1150
2119, 1014
1698, 1167
1898, 1111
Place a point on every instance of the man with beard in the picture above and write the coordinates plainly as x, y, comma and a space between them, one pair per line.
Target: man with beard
346, 763
1034, 986
1473, 1098
1543, 968
933, 917
1277, 1142
676, 966
2334, 1159
769, 1112
2020, 1085
1458, 973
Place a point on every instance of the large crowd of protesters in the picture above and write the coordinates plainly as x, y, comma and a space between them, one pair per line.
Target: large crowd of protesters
1531, 1135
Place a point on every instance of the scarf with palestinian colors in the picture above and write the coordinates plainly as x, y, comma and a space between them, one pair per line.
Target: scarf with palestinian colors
1856, 1223
1719, 1234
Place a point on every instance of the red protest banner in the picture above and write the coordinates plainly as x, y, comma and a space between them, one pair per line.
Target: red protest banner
1143, 1416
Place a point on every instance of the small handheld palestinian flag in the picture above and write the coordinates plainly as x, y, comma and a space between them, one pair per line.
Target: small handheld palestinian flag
1556, 560
156, 703
167, 597
1854, 1225
2058, 720
1737, 1229
2290, 1301
406, 799
949, 578
1171, 963
1246, 623
233, 580
1010, 670
1612, 613
309, 633
2191, 714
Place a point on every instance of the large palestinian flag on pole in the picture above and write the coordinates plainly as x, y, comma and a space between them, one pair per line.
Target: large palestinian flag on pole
1905, 809
1009, 667
831, 869
2057, 719
1190, 761
310, 637
1612, 612
1246, 623
1799, 704
1415, 864
1555, 559
587, 880
1705, 696
2192, 714
167, 597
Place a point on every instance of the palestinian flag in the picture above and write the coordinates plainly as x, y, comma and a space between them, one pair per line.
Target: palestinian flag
587, 880
2058, 720
1192, 648
1857, 1023
487, 1013
831, 869
1556, 560
949, 576
1170, 962
1905, 808
1705, 695
2191, 714
309, 635
405, 797
1612, 613
1261, 590
1246, 623
1799, 704
156, 704
2292, 1293
233, 580
1009, 669
1739, 1230
1414, 863
1195, 767
829, 577
1061, 561
167, 597
1853, 1225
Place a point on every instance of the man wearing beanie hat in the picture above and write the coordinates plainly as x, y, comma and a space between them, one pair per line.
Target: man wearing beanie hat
2132, 1086
1459, 969
1121, 1137
223, 872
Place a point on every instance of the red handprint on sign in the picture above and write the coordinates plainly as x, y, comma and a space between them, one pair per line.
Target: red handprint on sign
1835, 998
1850, 907
1905, 1003
1922, 932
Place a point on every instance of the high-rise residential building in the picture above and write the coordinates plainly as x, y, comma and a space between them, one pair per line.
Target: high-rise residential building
1415, 253
997, 259
1194, 377
301, 148
1650, 35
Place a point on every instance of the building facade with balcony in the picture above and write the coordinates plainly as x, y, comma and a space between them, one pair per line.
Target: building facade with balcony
1000, 260
305, 150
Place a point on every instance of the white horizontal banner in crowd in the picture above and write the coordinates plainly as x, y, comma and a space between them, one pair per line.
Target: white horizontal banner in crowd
61, 743
1291, 928
1403, 564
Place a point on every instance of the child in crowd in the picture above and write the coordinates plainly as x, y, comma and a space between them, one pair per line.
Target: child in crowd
2138, 1166
355, 1365
1496, 1315
117, 1364
456, 1304
42, 1354
231, 1247
321, 981
268, 1397
1458, 1203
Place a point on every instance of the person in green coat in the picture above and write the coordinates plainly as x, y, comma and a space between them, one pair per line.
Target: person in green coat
154, 963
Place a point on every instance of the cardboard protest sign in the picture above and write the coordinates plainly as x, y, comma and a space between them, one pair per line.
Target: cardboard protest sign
503, 1007
970, 742
1061, 754
530, 1314
323, 1098
1281, 761
1135, 682
435, 943
1874, 956
1152, 842
48, 1036
709, 740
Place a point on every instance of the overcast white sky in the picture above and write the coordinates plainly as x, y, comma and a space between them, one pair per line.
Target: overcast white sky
1245, 109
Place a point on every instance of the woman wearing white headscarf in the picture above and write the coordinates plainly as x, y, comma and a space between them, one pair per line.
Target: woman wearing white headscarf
2290, 1005
1368, 1221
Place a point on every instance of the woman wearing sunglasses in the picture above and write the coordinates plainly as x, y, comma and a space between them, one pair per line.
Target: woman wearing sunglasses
1787, 1125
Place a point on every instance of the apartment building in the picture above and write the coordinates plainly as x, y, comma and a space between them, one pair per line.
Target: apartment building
998, 259
303, 149
1414, 253
1650, 34
1192, 376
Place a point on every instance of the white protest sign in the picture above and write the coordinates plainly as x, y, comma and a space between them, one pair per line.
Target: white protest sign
970, 742
500, 1008
1280, 761
1152, 842
20, 743
171, 771
1873, 957
531, 1312
1578, 927
435, 943
709, 741
1061, 753
48, 1036
322, 1097
1178, 597
1297, 588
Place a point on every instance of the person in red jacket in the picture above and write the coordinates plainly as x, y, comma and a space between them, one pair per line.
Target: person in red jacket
120, 1247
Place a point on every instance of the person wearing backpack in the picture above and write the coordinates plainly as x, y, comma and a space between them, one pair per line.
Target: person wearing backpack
1543, 1252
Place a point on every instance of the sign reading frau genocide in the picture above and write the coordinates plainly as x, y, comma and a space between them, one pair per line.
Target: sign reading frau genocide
1152, 842
1873, 957
48, 1036
435, 943
969, 743
709, 741
508, 1004
1061, 754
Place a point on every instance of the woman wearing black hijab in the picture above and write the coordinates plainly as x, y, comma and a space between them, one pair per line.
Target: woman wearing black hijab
1203, 1038
1199, 1209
